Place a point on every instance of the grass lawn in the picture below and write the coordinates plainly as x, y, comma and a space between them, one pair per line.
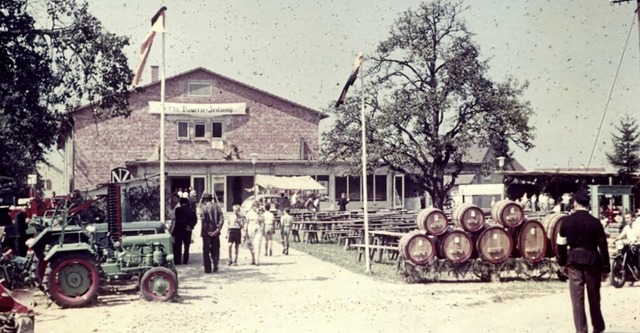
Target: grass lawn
335, 254
387, 271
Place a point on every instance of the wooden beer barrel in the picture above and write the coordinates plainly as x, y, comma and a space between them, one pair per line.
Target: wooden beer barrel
552, 223
417, 247
455, 246
494, 244
507, 213
468, 217
531, 241
433, 221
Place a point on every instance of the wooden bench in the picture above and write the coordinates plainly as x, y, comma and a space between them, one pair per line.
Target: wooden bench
328, 235
349, 240
373, 248
310, 236
295, 235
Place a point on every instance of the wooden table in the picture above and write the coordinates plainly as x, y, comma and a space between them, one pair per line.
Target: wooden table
311, 229
381, 240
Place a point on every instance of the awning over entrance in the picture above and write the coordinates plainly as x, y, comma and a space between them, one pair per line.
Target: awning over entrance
288, 183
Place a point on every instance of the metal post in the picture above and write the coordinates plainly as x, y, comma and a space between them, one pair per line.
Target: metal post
638, 14
501, 160
255, 187
254, 159
637, 11
364, 172
162, 173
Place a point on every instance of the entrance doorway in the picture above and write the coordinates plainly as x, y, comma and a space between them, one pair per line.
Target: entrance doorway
179, 183
398, 191
236, 192
199, 184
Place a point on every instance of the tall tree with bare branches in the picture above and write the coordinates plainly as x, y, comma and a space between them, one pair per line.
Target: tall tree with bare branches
428, 99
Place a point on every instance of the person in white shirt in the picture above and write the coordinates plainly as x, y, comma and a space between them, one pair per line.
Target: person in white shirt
631, 232
534, 203
234, 233
269, 229
543, 201
254, 228
566, 199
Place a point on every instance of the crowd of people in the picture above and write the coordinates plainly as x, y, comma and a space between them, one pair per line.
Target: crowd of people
254, 229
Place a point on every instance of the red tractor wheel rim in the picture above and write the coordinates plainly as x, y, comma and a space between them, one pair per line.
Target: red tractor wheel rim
74, 282
160, 286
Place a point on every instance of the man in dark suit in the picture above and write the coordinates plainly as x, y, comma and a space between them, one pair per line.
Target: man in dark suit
584, 258
342, 202
212, 222
185, 220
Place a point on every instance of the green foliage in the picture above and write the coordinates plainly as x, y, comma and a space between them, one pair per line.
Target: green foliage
144, 201
96, 211
429, 99
626, 146
48, 71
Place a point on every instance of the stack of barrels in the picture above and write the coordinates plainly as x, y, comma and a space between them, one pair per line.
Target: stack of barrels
470, 236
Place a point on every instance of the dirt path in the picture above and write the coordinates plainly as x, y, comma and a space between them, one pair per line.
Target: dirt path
298, 293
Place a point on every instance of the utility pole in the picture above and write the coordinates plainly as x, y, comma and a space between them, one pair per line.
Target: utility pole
612, 2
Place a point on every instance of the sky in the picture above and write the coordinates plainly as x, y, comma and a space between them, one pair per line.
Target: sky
568, 51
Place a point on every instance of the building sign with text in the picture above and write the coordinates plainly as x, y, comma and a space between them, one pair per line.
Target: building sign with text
198, 110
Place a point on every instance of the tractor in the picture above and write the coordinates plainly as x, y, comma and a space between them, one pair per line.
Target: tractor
74, 263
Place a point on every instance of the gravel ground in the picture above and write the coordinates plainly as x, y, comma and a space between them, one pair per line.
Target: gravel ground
298, 293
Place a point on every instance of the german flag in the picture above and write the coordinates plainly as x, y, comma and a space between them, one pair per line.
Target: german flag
351, 80
157, 25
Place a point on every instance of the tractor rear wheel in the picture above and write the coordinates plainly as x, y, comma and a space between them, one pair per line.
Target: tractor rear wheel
159, 284
72, 280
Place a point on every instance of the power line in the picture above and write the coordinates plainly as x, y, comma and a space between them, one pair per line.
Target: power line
624, 50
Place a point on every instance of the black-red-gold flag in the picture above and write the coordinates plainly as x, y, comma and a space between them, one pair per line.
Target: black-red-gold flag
157, 25
351, 80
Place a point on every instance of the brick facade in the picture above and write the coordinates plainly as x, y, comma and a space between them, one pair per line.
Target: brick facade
272, 127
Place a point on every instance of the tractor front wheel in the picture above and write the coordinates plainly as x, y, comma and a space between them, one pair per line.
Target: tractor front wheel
72, 280
159, 284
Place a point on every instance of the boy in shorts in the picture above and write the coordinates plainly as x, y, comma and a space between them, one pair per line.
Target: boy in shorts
286, 222
234, 235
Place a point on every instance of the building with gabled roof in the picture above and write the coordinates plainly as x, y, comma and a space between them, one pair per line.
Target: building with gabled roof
213, 124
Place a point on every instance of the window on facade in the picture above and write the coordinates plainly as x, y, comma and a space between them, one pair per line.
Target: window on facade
216, 130
355, 190
376, 188
487, 177
341, 187
218, 185
351, 185
199, 89
324, 181
183, 130
199, 131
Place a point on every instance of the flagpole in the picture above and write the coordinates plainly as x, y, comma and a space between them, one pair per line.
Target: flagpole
364, 174
162, 172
